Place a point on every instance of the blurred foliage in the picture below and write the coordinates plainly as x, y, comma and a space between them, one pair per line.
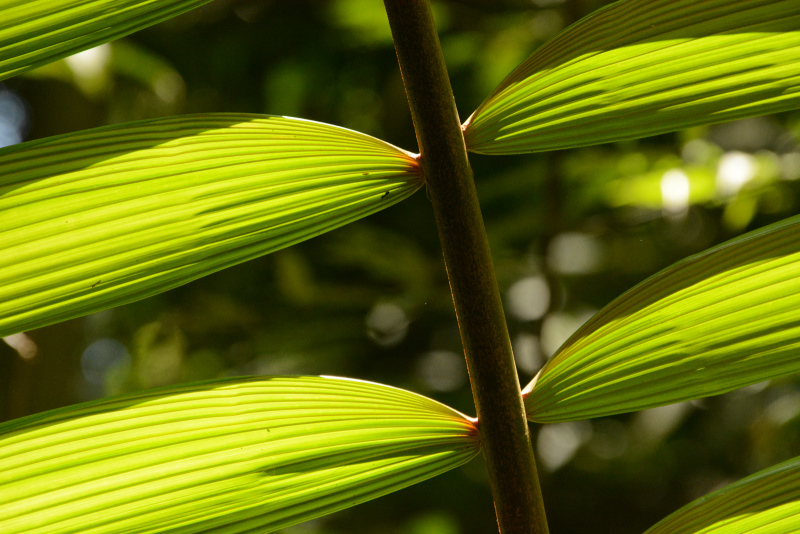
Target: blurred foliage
569, 231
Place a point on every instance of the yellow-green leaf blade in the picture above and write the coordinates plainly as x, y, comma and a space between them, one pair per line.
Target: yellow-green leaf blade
717, 321
103, 217
36, 32
767, 502
236, 455
644, 67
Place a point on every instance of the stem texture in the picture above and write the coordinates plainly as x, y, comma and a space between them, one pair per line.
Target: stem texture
493, 374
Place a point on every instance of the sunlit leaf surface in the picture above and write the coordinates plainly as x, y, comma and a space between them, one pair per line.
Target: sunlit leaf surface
717, 321
103, 217
236, 455
36, 32
767, 503
644, 67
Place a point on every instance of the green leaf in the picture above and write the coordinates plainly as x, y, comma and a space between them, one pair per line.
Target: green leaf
236, 455
645, 67
103, 217
767, 502
717, 321
36, 32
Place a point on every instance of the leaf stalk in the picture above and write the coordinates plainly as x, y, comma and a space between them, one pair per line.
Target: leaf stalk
484, 334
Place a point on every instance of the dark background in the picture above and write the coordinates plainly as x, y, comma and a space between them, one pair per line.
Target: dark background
569, 231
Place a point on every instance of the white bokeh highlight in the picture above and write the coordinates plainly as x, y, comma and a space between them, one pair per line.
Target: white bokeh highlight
734, 170
557, 444
675, 189
529, 298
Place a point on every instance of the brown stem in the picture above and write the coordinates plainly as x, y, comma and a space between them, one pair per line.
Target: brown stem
493, 374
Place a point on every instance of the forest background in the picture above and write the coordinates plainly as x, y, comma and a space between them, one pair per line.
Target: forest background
569, 231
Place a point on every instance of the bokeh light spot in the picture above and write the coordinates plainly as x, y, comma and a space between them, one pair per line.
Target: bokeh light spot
529, 298
733, 171
101, 357
442, 370
558, 443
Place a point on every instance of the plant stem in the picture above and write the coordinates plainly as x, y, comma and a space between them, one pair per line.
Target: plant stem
493, 374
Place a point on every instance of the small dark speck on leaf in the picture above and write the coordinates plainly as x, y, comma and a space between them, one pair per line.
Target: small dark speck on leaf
365, 173
386, 194
95, 284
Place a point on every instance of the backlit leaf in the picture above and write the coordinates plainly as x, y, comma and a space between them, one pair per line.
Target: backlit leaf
644, 67
717, 321
767, 503
103, 217
36, 32
235, 455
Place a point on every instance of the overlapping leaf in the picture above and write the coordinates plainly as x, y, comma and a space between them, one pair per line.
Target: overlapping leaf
643, 67
717, 321
767, 502
237, 455
102, 217
35, 32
